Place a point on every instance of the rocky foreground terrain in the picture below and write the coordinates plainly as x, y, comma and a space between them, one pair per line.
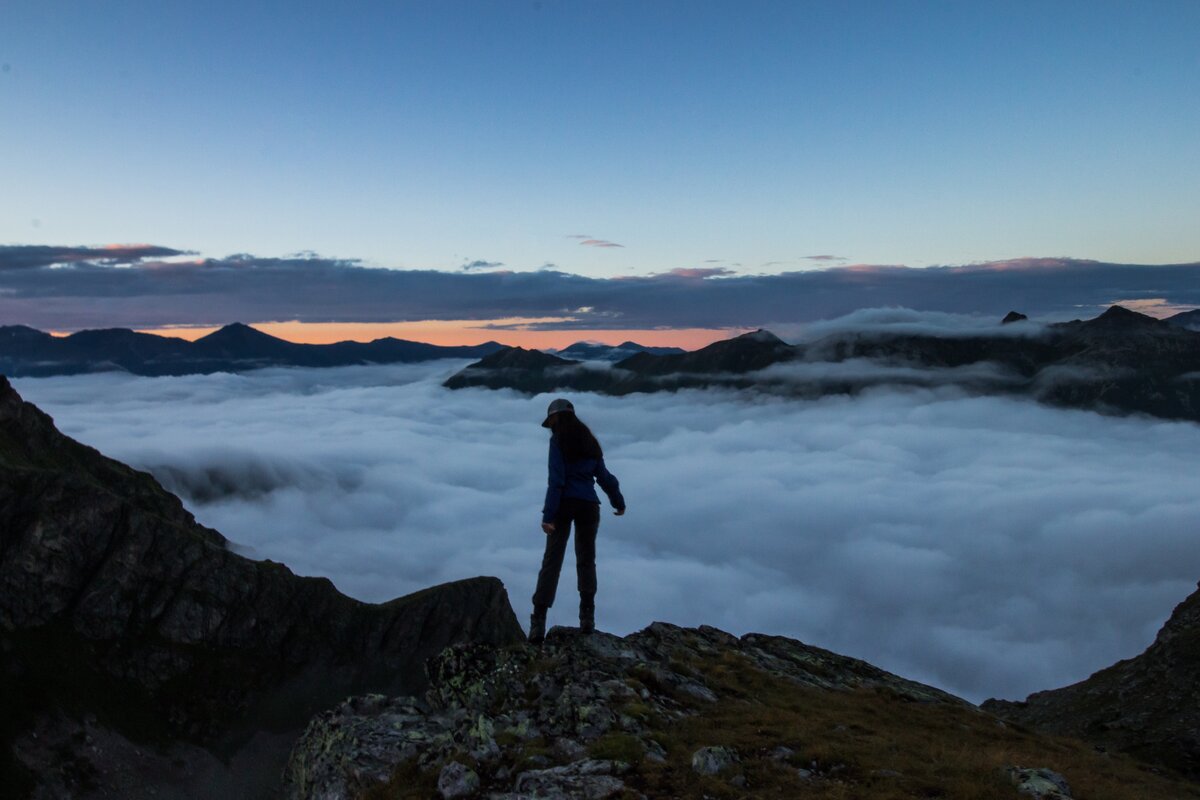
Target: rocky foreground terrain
140, 657
1121, 361
697, 713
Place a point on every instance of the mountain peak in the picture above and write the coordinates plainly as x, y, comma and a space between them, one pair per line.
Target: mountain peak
1123, 316
239, 330
1013, 316
511, 357
761, 335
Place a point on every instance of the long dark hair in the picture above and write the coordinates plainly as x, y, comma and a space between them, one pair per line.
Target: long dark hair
575, 439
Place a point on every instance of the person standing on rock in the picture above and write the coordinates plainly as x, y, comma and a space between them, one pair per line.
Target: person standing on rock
576, 462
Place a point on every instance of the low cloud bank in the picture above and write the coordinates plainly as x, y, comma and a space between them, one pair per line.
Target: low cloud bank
896, 321
989, 546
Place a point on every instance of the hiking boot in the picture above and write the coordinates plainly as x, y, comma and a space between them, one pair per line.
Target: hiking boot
587, 619
537, 626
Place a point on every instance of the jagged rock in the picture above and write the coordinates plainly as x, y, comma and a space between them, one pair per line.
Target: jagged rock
457, 780
1148, 706
582, 780
1042, 784
782, 753
713, 760
115, 602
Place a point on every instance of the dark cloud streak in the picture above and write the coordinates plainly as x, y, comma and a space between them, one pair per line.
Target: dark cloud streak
150, 293
24, 257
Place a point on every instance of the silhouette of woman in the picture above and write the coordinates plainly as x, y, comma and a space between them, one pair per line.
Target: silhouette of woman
576, 460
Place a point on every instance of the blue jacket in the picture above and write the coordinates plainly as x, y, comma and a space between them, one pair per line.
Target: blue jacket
575, 479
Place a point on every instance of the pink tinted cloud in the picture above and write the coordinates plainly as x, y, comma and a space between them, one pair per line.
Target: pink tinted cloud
600, 243
1029, 264
698, 272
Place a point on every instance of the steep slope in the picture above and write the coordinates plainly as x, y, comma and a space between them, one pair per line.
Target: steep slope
1148, 705
119, 611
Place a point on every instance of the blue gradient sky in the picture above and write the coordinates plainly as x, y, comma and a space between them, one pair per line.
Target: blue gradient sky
428, 135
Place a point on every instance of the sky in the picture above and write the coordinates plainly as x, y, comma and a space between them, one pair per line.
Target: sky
604, 139
989, 546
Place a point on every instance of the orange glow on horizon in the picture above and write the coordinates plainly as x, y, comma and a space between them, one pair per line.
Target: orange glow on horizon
468, 332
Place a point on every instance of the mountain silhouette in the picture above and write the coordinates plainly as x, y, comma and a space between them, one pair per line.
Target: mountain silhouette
237, 347
1120, 361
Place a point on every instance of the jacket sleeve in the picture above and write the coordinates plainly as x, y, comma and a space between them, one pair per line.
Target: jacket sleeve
557, 479
608, 482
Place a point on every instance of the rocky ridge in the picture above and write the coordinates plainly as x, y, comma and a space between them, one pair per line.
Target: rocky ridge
122, 618
1148, 705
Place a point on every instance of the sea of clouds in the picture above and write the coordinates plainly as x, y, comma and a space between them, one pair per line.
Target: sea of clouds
989, 546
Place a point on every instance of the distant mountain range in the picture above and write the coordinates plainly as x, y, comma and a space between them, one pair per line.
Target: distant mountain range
28, 352
234, 348
1120, 361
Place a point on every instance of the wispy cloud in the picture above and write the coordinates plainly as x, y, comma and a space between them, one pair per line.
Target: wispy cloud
480, 264
600, 243
823, 258
698, 272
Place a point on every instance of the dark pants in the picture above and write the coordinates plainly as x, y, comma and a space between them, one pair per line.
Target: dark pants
586, 516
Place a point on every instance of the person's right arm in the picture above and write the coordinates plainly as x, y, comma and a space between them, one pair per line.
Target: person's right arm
611, 486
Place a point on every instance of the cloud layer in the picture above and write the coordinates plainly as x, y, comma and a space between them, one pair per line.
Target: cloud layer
988, 546
71, 288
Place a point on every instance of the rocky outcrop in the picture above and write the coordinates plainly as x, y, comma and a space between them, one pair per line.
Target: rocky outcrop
121, 615
1121, 361
593, 700
1148, 706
